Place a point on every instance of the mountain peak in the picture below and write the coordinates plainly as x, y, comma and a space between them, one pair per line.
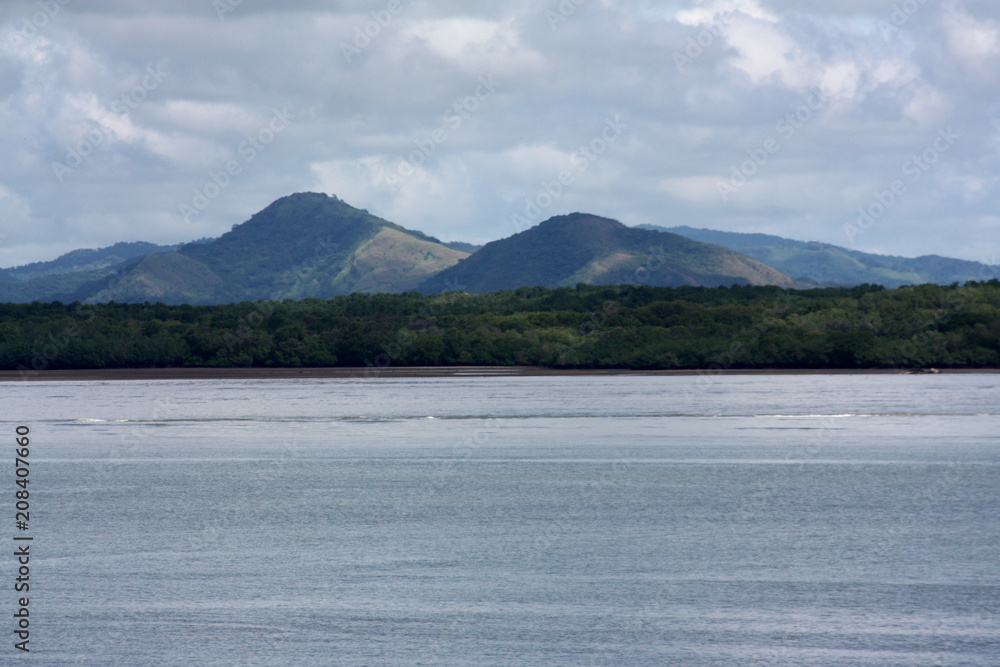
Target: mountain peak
306, 244
306, 198
583, 248
579, 220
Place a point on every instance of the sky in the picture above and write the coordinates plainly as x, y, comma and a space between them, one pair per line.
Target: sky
870, 124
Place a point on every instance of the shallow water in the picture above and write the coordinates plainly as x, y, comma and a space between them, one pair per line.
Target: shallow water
752, 520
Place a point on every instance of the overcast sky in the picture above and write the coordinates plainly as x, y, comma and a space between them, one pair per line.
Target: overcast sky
872, 124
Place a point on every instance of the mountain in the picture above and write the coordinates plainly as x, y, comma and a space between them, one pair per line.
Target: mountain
581, 248
300, 246
830, 265
85, 260
467, 248
54, 287
62, 278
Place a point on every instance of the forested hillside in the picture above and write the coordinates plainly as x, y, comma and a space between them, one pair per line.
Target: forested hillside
582, 327
582, 248
829, 265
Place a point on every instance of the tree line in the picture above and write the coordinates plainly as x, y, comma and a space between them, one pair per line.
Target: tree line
637, 327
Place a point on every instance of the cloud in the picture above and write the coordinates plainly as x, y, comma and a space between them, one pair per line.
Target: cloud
69, 84
971, 40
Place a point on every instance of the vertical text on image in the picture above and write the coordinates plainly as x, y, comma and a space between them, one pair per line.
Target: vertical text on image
22, 546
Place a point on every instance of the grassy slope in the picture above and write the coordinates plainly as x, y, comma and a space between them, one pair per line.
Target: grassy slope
584, 248
85, 260
303, 245
828, 264
169, 278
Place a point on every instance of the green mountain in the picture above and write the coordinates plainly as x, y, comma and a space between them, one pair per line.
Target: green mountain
467, 248
55, 287
581, 248
304, 245
62, 278
829, 265
79, 261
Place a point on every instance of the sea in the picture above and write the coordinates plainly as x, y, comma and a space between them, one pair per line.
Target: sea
489, 518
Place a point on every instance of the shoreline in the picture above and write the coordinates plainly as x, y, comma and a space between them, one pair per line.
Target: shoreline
126, 374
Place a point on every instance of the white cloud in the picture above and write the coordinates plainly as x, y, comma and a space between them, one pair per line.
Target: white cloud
764, 51
358, 120
454, 38
205, 117
694, 189
971, 40
708, 11
928, 106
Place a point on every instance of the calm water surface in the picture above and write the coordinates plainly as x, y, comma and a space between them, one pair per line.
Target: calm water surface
640, 520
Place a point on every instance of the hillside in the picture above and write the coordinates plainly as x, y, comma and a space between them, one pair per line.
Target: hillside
69, 275
570, 327
84, 261
311, 245
581, 248
300, 246
829, 265
53, 287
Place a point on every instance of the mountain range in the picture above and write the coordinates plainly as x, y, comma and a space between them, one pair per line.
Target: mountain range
69, 273
301, 246
581, 248
313, 245
826, 265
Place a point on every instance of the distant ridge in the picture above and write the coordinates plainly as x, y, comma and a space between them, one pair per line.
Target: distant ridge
582, 248
314, 245
62, 278
85, 260
303, 245
830, 265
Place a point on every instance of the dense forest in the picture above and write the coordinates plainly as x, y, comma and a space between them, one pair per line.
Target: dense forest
583, 327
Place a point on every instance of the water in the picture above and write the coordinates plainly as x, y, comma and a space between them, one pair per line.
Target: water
625, 520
